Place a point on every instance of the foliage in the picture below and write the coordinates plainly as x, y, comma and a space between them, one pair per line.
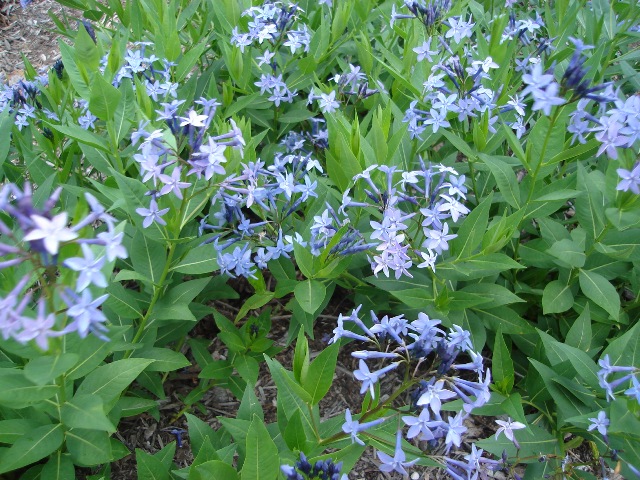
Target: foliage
468, 173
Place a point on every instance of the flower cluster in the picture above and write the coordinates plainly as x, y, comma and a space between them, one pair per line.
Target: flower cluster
38, 236
161, 163
353, 84
413, 207
430, 357
22, 99
322, 469
273, 25
137, 64
429, 13
270, 195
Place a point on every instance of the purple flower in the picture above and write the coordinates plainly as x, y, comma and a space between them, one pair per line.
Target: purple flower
172, 183
52, 232
38, 329
353, 427
508, 427
455, 429
420, 425
84, 311
545, 99
634, 391
89, 268
368, 378
630, 180
152, 214
398, 462
601, 423
433, 394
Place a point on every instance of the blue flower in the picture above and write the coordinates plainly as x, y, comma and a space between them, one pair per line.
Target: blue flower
398, 462
353, 427
368, 378
600, 423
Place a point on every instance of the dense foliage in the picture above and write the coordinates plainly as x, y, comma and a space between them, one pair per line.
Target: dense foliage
466, 173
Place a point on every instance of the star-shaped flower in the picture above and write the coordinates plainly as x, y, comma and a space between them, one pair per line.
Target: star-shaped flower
52, 232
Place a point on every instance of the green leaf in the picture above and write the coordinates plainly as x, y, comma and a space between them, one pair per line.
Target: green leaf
505, 178
568, 253
122, 302
198, 260
86, 51
505, 318
580, 334
301, 356
599, 290
625, 350
131, 406
213, 469
590, 206
247, 367
558, 352
92, 351
86, 411
81, 136
319, 376
35, 445
494, 295
289, 391
188, 60
147, 257
59, 467
261, 461
89, 447
472, 229
150, 467
104, 98
295, 435
502, 365
475, 268
18, 392
44, 369
200, 433
12, 430
125, 110
512, 406
109, 380
164, 360
6, 123
310, 295
250, 405
532, 441
556, 297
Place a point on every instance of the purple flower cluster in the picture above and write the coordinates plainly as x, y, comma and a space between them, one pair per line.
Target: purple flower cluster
431, 356
37, 236
269, 194
353, 84
413, 210
322, 469
22, 99
162, 165
137, 64
272, 27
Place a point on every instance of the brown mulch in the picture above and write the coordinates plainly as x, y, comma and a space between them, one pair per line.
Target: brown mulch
29, 31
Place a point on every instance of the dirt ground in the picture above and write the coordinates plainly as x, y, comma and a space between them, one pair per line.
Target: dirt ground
30, 32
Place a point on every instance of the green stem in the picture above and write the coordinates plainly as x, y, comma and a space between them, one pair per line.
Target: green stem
157, 291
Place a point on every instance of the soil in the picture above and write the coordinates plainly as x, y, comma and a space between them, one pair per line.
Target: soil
30, 32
